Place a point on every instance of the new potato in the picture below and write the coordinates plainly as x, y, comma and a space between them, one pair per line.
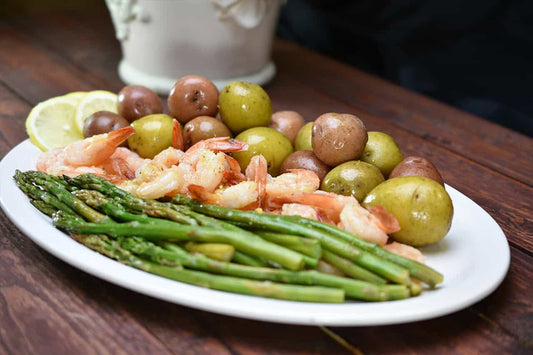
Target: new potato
274, 146
354, 178
421, 205
382, 151
303, 138
153, 133
244, 105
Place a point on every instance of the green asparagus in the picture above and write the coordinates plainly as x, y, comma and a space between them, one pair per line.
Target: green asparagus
222, 283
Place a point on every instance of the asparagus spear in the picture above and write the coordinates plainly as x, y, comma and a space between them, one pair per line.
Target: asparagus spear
173, 254
309, 247
352, 269
115, 210
417, 270
223, 283
51, 185
159, 230
289, 224
249, 260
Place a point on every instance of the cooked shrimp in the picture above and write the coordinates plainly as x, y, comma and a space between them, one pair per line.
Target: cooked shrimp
242, 195
165, 183
296, 209
177, 136
296, 180
217, 144
85, 156
167, 157
329, 203
131, 158
257, 171
370, 227
96, 149
406, 251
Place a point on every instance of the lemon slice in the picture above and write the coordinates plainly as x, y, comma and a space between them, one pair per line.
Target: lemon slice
77, 95
92, 102
51, 124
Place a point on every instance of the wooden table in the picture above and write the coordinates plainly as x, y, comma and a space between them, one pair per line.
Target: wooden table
49, 307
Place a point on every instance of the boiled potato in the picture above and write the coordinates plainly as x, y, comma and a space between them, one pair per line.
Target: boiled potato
421, 205
305, 159
153, 133
382, 151
244, 105
354, 178
303, 138
288, 123
268, 142
338, 138
417, 166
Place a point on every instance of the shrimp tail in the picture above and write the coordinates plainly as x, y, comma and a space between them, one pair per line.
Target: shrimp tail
386, 220
231, 177
177, 136
327, 202
233, 164
223, 144
119, 167
116, 137
200, 193
257, 171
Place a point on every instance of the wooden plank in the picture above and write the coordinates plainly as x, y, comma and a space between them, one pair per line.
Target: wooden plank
497, 147
89, 43
28, 67
511, 305
13, 112
250, 337
48, 307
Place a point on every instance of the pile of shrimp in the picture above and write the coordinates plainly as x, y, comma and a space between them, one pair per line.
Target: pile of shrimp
206, 173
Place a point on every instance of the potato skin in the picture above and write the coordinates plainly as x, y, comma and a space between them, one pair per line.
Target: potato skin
103, 122
338, 138
354, 178
288, 123
193, 96
421, 205
417, 166
136, 101
204, 127
305, 159
303, 137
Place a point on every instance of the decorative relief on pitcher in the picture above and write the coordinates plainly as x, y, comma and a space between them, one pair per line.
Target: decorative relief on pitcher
122, 13
246, 13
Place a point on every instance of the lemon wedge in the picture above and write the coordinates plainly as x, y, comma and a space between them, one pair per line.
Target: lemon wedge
51, 124
93, 101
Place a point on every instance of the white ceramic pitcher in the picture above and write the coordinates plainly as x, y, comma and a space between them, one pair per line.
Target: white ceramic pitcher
223, 40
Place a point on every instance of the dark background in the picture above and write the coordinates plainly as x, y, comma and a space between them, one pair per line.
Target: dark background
473, 54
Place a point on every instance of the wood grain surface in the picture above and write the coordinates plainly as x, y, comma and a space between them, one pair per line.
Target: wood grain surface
49, 307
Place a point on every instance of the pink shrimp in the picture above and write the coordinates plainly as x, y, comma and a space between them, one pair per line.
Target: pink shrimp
405, 251
177, 136
372, 227
257, 171
217, 144
329, 203
243, 195
96, 149
85, 156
